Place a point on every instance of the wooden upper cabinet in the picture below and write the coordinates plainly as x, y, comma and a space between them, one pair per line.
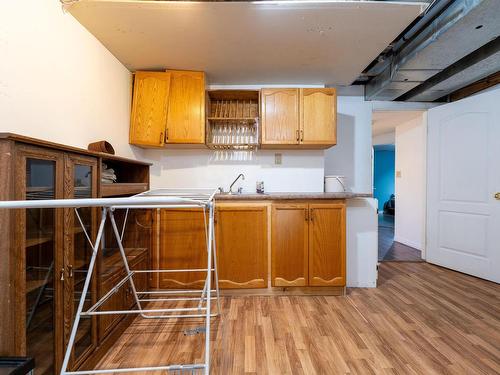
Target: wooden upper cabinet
327, 241
186, 108
280, 116
241, 235
299, 118
318, 116
289, 245
149, 109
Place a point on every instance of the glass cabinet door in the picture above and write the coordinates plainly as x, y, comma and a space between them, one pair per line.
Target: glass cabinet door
83, 174
41, 270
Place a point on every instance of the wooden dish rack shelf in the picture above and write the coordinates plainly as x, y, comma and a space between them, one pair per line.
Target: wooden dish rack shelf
233, 119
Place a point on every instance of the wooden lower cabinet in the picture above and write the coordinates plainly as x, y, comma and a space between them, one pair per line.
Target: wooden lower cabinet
308, 244
289, 243
242, 246
182, 246
327, 238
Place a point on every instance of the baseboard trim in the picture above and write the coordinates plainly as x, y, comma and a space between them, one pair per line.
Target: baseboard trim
407, 242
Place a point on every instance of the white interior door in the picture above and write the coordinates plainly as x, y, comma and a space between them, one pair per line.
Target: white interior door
463, 176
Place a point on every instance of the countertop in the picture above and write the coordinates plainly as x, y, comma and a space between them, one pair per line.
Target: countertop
290, 196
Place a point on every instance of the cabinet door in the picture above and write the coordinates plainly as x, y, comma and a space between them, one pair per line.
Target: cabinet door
241, 240
289, 243
149, 108
39, 259
186, 109
280, 116
182, 246
327, 244
318, 120
80, 182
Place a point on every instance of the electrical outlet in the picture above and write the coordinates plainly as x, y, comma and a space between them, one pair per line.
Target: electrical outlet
398, 173
277, 159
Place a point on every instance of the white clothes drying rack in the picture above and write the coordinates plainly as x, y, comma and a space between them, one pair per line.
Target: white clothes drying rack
153, 199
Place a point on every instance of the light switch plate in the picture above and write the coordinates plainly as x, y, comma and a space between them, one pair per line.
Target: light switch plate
277, 159
398, 173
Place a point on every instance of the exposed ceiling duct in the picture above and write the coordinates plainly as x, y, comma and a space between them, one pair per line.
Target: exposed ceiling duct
459, 45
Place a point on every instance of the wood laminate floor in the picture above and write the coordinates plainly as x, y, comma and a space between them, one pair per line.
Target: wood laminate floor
422, 319
390, 250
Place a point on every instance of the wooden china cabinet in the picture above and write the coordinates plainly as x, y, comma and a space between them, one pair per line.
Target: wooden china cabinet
45, 253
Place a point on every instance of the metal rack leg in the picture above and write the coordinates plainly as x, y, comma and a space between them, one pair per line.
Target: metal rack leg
74, 329
125, 261
214, 250
209, 287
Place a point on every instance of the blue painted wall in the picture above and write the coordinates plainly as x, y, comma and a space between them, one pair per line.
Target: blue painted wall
383, 174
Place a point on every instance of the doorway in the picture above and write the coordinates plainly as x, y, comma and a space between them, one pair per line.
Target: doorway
399, 183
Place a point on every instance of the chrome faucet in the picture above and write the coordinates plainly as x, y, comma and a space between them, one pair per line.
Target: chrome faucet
237, 178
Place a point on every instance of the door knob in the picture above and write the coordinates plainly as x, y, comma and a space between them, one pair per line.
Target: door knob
497, 196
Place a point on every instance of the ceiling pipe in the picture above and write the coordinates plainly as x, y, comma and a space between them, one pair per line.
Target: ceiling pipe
386, 85
432, 11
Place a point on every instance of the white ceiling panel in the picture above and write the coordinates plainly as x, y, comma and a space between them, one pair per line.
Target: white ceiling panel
248, 42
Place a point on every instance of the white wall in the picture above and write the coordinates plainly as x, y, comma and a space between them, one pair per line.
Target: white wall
57, 82
384, 139
353, 154
410, 187
352, 158
362, 242
299, 171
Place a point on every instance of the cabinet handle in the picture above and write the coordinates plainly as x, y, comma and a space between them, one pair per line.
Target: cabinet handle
161, 138
298, 136
302, 136
62, 274
166, 134
311, 216
70, 271
306, 211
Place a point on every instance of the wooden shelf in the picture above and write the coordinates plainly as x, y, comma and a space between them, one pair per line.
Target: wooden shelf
33, 285
123, 188
233, 146
38, 240
113, 263
44, 238
35, 279
250, 119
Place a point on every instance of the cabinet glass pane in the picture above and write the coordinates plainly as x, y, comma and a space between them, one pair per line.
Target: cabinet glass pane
82, 253
40, 247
